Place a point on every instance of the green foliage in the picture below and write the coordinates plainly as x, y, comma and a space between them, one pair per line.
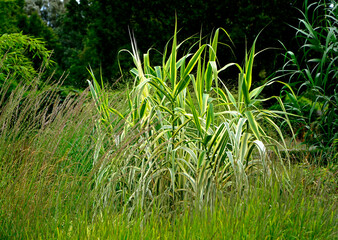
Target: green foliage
16, 21
18, 53
51, 187
313, 72
94, 31
33, 25
10, 13
49, 10
194, 141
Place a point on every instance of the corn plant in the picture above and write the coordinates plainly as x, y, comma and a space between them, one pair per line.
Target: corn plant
193, 138
313, 72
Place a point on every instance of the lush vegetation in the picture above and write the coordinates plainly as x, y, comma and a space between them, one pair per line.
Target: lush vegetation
53, 189
313, 72
197, 140
91, 32
179, 151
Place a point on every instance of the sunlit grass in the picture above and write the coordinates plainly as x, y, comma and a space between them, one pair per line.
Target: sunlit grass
176, 156
193, 139
49, 187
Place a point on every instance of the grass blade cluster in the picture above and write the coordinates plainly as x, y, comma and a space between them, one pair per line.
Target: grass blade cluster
69, 171
197, 139
313, 72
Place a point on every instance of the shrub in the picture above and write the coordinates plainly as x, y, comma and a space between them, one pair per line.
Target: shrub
18, 57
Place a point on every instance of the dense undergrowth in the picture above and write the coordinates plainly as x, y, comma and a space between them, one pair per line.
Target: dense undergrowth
50, 188
312, 72
48, 191
184, 157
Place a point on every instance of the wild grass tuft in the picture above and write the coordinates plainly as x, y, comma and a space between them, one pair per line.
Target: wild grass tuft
196, 140
313, 75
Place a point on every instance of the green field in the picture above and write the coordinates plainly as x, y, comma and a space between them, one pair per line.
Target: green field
177, 150
53, 189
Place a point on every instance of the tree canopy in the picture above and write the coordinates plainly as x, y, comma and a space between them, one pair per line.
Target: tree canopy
91, 32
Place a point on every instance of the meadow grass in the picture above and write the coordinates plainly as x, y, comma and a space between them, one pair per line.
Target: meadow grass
49, 188
261, 214
180, 158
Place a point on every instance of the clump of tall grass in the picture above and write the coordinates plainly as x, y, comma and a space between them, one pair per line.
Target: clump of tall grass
313, 75
47, 144
46, 154
196, 139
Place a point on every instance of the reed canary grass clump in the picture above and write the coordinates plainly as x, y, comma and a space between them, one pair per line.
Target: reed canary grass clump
196, 139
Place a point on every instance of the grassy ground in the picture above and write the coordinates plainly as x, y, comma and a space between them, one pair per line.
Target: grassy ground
263, 213
47, 188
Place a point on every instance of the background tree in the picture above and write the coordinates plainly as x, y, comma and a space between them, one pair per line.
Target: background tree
96, 30
16, 20
10, 14
49, 10
72, 34
91, 32
19, 54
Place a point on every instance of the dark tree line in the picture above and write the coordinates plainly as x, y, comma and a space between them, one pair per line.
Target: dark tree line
91, 32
